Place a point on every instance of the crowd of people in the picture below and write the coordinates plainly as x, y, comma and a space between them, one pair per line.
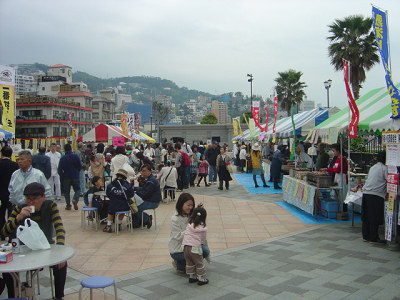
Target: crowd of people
150, 174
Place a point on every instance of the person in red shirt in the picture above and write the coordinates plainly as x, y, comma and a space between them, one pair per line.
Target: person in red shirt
340, 168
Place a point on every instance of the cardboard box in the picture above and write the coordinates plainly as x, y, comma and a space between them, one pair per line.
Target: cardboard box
5, 257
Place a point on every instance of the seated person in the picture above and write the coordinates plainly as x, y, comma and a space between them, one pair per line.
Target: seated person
46, 214
92, 200
119, 191
150, 193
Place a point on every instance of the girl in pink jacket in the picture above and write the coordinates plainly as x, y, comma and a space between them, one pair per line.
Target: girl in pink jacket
203, 170
195, 235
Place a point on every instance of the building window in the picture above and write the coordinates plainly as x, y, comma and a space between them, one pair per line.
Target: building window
43, 88
95, 105
56, 131
63, 71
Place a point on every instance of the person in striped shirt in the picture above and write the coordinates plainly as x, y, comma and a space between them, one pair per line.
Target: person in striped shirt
47, 215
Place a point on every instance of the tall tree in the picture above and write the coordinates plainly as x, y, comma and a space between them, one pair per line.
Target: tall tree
209, 118
289, 89
352, 39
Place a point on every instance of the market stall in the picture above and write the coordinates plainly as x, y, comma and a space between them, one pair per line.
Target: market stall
312, 192
105, 133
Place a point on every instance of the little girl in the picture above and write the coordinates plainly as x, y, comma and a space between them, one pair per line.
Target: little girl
203, 170
195, 235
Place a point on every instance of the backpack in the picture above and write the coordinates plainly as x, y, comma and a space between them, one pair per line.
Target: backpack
185, 161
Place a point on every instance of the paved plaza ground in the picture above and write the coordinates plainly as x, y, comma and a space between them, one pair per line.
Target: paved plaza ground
258, 251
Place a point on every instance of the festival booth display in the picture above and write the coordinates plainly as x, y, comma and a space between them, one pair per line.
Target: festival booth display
104, 133
148, 139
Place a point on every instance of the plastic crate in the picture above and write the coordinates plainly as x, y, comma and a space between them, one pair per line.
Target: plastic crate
331, 207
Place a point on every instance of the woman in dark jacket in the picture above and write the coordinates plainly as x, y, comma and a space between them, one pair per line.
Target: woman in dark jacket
150, 193
118, 191
223, 160
276, 165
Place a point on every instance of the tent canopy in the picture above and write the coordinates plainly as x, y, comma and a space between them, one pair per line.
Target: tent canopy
304, 122
6, 135
375, 111
104, 132
147, 138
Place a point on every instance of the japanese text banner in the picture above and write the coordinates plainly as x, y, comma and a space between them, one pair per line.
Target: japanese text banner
7, 102
379, 26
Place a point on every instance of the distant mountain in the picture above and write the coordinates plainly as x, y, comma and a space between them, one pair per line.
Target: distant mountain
142, 88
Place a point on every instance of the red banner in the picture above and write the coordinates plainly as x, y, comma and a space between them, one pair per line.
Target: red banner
275, 113
266, 115
355, 114
255, 111
69, 122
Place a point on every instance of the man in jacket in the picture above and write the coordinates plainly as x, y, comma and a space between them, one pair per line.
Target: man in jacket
69, 169
211, 156
54, 179
7, 167
46, 214
42, 162
150, 193
25, 175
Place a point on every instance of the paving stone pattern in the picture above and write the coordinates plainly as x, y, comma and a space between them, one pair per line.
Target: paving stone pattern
325, 262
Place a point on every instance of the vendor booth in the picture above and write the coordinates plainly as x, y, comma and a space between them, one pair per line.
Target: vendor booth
104, 133
304, 122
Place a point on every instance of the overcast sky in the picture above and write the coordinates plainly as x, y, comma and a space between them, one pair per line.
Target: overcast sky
204, 45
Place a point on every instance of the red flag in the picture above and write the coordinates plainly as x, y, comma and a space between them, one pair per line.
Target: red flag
266, 115
355, 114
275, 113
255, 111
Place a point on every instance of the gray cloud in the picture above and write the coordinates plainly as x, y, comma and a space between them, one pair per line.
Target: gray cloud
206, 45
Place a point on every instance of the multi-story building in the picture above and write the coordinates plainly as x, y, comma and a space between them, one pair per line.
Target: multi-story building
220, 110
58, 101
44, 116
307, 105
25, 85
103, 110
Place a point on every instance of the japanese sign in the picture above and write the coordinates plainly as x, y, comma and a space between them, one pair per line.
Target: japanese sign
118, 141
392, 181
124, 124
390, 137
379, 26
7, 98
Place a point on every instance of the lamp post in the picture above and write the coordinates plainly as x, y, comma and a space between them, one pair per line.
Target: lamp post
250, 79
327, 84
151, 123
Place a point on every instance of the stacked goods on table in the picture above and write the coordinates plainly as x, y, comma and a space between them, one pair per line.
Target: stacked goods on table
300, 173
322, 179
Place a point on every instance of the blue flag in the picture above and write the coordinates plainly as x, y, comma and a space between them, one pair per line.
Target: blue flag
381, 35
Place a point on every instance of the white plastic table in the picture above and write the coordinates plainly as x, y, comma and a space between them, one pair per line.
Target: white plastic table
28, 260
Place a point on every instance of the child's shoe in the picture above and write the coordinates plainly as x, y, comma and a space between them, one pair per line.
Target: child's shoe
202, 282
107, 229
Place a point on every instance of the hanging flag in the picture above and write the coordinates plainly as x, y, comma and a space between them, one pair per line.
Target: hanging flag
131, 124
124, 124
379, 26
7, 98
266, 114
275, 113
355, 114
255, 112
70, 121
137, 122
235, 126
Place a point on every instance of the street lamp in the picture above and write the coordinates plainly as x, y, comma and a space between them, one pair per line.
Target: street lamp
328, 84
250, 79
151, 123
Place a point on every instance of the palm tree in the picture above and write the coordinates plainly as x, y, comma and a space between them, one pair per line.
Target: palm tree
289, 89
352, 39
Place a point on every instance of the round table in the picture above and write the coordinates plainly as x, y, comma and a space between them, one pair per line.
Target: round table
29, 260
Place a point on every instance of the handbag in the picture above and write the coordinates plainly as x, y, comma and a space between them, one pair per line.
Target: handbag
32, 236
131, 201
229, 168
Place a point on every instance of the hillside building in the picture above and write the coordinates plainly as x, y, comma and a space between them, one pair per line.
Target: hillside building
220, 110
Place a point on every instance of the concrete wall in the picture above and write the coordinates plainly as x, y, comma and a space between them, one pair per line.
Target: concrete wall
196, 133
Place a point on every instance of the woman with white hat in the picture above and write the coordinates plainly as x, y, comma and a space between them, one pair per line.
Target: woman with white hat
256, 161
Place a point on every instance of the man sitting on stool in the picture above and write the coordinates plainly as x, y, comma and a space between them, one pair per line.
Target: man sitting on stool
46, 214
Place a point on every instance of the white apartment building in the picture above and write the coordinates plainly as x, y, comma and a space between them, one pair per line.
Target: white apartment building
25, 84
